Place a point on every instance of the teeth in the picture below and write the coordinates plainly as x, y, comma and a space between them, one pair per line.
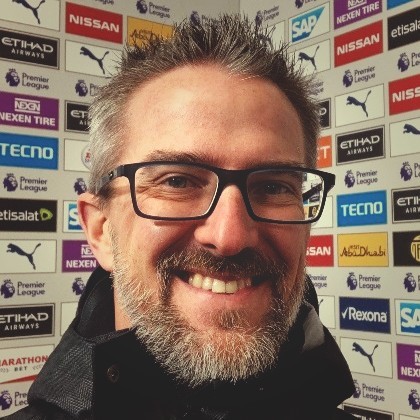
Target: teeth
217, 285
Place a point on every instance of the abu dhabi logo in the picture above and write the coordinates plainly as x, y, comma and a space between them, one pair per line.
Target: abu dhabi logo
81, 88
352, 281
410, 129
406, 172
351, 100
19, 251
78, 286
80, 186
310, 58
194, 18
349, 179
10, 182
12, 78
403, 62
359, 349
34, 10
88, 53
357, 389
414, 399
141, 6
5, 400
347, 78
409, 282
7, 289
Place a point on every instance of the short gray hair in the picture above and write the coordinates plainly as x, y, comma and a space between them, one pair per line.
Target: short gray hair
231, 41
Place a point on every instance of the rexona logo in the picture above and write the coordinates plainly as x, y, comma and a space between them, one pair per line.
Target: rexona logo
358, 44
408, 358
325, 113
28, 215
310, 24
364, 413
360, 145
26, 321
77, 257
320, 251
71, 217
404, 95
29, 48
77, 117
408, 317
404, 28
406, 205
362, 314
93, 23
350, 11
406, 248
362, 209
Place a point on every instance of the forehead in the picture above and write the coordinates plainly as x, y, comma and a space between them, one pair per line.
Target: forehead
227, 120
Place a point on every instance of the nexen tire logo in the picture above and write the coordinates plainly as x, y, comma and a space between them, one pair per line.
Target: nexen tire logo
309, 24
363, 314
408, 317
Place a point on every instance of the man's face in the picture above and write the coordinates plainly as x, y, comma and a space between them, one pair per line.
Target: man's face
233, 124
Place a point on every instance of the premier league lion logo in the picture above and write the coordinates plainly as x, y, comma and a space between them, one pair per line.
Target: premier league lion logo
406, 172
409, 283
81, 88
349, 179
347, 78
10, 182
78, 286
141, 6
5, 400
357, 391
299, 3
414, 399
80, 186
352, 281
259, 19
403, 62
7, 289
195, 18
12, 77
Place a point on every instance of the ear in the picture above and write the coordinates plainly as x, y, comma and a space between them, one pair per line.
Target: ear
96, 227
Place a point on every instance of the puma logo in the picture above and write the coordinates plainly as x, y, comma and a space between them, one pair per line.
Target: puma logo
303, 56
351, 100
88, 53
20, 251
25, 4
408, 128
358, 348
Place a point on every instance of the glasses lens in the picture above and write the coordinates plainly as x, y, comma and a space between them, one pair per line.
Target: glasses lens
285, 195
174, 190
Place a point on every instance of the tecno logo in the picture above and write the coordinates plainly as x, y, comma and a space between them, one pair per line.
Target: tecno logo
358, 44
404, 95
93, 23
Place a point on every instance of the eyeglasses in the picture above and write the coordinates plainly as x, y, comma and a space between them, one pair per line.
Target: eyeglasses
165, 190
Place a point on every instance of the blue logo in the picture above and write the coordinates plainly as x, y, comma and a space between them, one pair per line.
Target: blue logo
394, 3
73, 224
410, 317
303, 25
7, 289
403, 62
362, 209
363, 314
28, 151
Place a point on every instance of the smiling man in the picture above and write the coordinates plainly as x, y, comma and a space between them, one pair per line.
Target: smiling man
199, 207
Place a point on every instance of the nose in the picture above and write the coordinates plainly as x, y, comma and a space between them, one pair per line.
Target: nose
229, 229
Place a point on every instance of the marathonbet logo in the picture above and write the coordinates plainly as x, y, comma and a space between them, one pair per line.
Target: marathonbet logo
404, 95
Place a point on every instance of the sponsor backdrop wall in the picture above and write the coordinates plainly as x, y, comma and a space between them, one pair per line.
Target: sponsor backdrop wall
364, 254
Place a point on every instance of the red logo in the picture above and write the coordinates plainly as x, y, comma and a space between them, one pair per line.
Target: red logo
320, 251
404, 95
324, 152
358, 44
93, 23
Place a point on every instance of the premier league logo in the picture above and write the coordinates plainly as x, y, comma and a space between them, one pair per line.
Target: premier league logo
259, 19
12, 78
357, 391
414, 399
10, 183
78, 286
81, 88
406, 172
195, 18
299, 3
141, 6
352, 281
349, 179
80, 186
403, 62
409, 283
7, 289
5, 400
347, 78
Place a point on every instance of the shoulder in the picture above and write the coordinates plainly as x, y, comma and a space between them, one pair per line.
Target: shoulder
42, 412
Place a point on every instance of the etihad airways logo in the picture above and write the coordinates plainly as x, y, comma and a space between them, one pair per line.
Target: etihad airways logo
93, 23
404, 95
358, 44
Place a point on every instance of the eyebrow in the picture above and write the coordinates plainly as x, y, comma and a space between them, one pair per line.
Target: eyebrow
188, 157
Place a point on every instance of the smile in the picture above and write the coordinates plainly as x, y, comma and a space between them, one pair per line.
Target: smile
216, 285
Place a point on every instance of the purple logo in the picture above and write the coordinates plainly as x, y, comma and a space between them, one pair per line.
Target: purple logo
195, 18
10, 182
414, 399
348, 12
357, 391
77, 257
349, 179
7, 289
403, 62
80, 186
351, 281
259, 19
408, 359
406, 172
78, 286
299, 3
81, 88
28, 111
12, 78
141, 6
409, 283
347, 78
5, 400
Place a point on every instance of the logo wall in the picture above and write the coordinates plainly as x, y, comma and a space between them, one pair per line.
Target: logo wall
404, 95
320, 251
406, 248
348, 12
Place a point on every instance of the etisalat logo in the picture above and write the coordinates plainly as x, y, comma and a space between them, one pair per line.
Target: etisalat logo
78, 286
363, 282
361, 178
80, 186
414, 399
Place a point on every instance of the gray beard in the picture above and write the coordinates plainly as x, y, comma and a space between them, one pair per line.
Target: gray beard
234, 352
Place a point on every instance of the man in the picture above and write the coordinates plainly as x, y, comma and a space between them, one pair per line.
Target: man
201, 195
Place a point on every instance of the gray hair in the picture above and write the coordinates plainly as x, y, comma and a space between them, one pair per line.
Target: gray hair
231, 41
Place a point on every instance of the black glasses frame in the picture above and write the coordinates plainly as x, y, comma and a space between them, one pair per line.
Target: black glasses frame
226, 177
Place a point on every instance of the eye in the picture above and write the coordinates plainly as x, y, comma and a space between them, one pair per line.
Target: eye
274, 189
177, 182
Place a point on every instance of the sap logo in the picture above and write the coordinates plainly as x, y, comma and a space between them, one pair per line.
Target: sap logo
406, 172
347, 78
410, 317
72, 217
5, 400
318, 250
7, 289
414, 399
409, 282
403, 62
357, 390
405, 95
141, 6
80, 186
27, 106
81, 88
12, 78
10, 182
302, 26
78, 286
349, 179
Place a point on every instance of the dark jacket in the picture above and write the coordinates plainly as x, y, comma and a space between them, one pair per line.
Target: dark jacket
98, 373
